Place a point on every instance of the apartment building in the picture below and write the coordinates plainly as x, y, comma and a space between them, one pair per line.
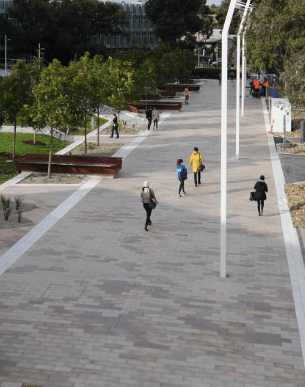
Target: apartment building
142, 30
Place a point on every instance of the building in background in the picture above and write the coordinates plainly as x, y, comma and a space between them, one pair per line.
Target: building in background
141, 29
208, 51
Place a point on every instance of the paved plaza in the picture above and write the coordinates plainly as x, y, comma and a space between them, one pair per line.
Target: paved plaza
96, 301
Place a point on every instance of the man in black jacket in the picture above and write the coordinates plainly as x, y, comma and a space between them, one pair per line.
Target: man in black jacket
149, 117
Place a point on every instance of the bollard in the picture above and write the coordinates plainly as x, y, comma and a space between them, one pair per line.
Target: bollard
302, 135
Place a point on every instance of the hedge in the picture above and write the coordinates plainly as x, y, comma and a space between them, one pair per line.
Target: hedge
209, 72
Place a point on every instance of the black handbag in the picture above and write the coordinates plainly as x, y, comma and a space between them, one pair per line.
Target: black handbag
252, 196
152, 201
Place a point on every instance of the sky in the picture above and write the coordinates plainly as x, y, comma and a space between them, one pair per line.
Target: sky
209, 2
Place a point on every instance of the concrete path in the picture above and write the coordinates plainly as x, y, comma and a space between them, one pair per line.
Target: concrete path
97, 301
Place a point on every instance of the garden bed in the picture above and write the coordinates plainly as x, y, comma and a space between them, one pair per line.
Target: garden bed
295, 194
12, 221
7, 169
292, 148
56, 178
103, 150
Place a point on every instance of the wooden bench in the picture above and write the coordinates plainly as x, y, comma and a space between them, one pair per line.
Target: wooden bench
90, 165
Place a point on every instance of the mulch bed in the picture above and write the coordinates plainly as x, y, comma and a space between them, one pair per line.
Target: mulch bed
293, 148
295, 194
10, 156
30, 142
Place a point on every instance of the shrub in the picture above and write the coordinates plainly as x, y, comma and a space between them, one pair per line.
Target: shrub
19, 216
18, 201
7, 214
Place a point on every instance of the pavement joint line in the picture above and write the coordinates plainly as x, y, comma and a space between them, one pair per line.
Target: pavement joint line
15, 252
129, 147
291, 240
81, 140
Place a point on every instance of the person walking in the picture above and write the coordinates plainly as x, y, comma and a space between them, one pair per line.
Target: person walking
260, 194
196, 160
182, 176
147, 194
149, 117
219, 78
155, 117
187, 95
115, 126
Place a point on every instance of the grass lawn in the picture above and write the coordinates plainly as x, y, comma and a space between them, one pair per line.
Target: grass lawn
6, 144
81, 132
7, 170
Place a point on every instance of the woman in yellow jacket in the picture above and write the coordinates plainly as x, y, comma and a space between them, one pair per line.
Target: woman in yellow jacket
196, 160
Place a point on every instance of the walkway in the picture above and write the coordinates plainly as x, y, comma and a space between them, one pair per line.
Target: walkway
97, 301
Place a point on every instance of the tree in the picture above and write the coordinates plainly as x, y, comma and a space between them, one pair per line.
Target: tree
221, 14
28, 113
83, 88
275, 42
15, 92
54, 101
174, 18
64, 28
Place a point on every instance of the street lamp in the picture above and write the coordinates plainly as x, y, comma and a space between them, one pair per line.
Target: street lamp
245, 8
5, 54
224, 128
39, 49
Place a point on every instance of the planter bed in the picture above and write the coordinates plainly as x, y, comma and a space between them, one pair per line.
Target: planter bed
71, 164
187, 81
194, 76
159, 105
181, 87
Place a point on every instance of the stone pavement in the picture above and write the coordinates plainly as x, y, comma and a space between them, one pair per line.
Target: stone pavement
97, 301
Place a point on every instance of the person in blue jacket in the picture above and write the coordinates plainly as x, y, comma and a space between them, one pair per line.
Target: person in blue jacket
182, 176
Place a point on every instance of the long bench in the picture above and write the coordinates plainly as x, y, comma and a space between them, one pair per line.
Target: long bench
159, 105
91, 165
181, 87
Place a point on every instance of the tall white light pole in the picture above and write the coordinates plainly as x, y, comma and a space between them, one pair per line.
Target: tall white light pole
224, 127
5, 55
244, 64
238, 76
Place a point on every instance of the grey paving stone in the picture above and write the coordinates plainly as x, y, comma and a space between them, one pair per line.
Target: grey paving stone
100, 302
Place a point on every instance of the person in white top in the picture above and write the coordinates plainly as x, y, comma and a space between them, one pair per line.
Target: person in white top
155, 116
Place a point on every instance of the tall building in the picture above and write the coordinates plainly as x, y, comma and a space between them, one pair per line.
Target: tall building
142, 30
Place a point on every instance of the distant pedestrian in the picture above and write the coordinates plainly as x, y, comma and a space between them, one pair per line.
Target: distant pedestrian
196, 160
115, 126
147, 196
155, 117
187, 95
219, 78
182, 176
260, 194
149, 117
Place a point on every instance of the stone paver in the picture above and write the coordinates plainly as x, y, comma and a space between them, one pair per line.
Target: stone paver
99, 302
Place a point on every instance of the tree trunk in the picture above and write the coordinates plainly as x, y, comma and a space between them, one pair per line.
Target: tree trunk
98, 125
50, 154
14, 138
34, 136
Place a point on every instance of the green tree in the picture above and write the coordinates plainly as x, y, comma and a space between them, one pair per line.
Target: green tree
83, 88
276, 40
15, 92
64, 28
54, 101
174, 18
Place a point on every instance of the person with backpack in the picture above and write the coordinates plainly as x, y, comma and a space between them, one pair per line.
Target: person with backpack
187, 95
260, 194
182, 176
196, 160
149, 201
